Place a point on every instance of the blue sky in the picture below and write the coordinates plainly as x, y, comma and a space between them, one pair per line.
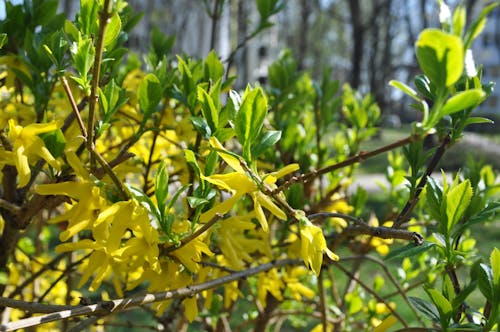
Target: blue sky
2, 7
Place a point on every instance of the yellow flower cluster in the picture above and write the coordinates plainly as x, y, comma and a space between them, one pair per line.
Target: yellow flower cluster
29, 147
239, 183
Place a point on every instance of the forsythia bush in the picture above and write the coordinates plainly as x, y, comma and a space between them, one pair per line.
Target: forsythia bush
156, 184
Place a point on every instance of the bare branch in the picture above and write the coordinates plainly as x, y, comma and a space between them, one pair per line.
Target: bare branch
109, 307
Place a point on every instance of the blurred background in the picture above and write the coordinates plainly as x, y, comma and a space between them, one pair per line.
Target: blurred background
365, 43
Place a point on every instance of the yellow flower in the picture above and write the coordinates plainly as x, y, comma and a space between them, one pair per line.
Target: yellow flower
86, 199
293, 284
114, 254
340, 205
190, 254
190, 308
384, 325
313, 245
239, 184
270, 282
238, 238
319, 328
28, 145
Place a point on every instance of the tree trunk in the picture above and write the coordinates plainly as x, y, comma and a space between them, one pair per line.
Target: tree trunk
357, 40
305, 9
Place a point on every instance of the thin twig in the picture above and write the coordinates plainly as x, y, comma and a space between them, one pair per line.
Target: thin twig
74, 106
48, 266
373, 293
304, 178
109, 171
405, 213
322, 301
11, 207
104, 16
109, 307
399, 291
362, 228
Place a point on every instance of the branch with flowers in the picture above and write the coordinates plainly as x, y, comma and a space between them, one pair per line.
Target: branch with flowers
159, 178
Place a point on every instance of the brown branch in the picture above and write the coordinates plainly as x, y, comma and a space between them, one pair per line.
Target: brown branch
74, 106
399, 290
304, 178
31, 307
362, 228
109, 171
11, 207
322, 301
104, 16
405, 213
109, 307
384, 233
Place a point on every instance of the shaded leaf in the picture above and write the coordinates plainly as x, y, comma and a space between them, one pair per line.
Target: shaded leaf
409, 250
428, 309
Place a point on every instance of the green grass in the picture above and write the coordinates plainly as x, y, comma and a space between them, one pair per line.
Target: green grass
378, 164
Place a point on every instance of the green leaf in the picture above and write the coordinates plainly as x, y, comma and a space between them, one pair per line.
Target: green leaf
161, 43
405, 88
213, 68
191, 160
224, 134
144, 199
88, 17
250, 118
478, 25
150, 94
55, 142
459, 20
463, 100
434, 198
208, 109
464, 293
83, 54
424, 86
477, 119
489, 211
112, 98
409, 250
174, 199
202, 126
268, 140
3, 39
112, 29
457, 201
442, 304
4, 278
267, 8
195, 202
426, 308
161, 184
495, 267
440, 56
485, 282
71, 30
211, 163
